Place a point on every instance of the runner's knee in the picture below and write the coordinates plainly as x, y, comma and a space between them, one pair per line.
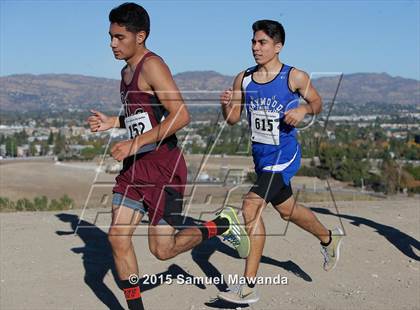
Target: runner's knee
250, 207
119, 241
161, 253
285, 212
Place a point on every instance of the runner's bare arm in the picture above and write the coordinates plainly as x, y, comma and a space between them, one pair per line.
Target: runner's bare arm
231, 101
100, 122
300, 81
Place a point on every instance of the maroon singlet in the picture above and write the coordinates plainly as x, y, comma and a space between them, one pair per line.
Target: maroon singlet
151, 175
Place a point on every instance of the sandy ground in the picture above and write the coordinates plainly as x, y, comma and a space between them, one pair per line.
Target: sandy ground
46, 266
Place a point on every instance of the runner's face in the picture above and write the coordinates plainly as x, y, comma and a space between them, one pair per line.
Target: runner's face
264, 48
123, 42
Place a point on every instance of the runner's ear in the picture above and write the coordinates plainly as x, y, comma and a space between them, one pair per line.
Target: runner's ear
278, 47
140, 37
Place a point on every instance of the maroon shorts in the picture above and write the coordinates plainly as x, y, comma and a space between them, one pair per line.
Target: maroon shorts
154, 178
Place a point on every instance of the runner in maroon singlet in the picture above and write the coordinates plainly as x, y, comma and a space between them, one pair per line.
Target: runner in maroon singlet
154, 171
161, 163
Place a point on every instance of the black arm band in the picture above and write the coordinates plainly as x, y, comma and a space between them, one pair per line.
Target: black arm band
122, 121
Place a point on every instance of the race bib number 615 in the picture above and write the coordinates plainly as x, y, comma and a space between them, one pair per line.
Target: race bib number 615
265, 127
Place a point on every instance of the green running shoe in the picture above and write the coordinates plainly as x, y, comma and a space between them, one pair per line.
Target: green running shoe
236, 234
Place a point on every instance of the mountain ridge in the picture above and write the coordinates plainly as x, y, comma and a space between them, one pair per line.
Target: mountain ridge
54, 91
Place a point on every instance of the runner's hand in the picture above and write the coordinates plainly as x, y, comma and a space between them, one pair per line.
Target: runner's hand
226, 97
99, 121
123, 149
295, 116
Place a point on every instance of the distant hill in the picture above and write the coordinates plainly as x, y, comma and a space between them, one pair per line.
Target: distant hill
371, 88
56, 92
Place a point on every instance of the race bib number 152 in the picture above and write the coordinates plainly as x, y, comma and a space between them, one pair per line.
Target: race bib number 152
137, 124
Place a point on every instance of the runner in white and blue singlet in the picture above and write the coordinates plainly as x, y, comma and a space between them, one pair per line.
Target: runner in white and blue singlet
270, 92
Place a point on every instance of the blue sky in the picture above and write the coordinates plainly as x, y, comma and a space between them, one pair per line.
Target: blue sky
321, 36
